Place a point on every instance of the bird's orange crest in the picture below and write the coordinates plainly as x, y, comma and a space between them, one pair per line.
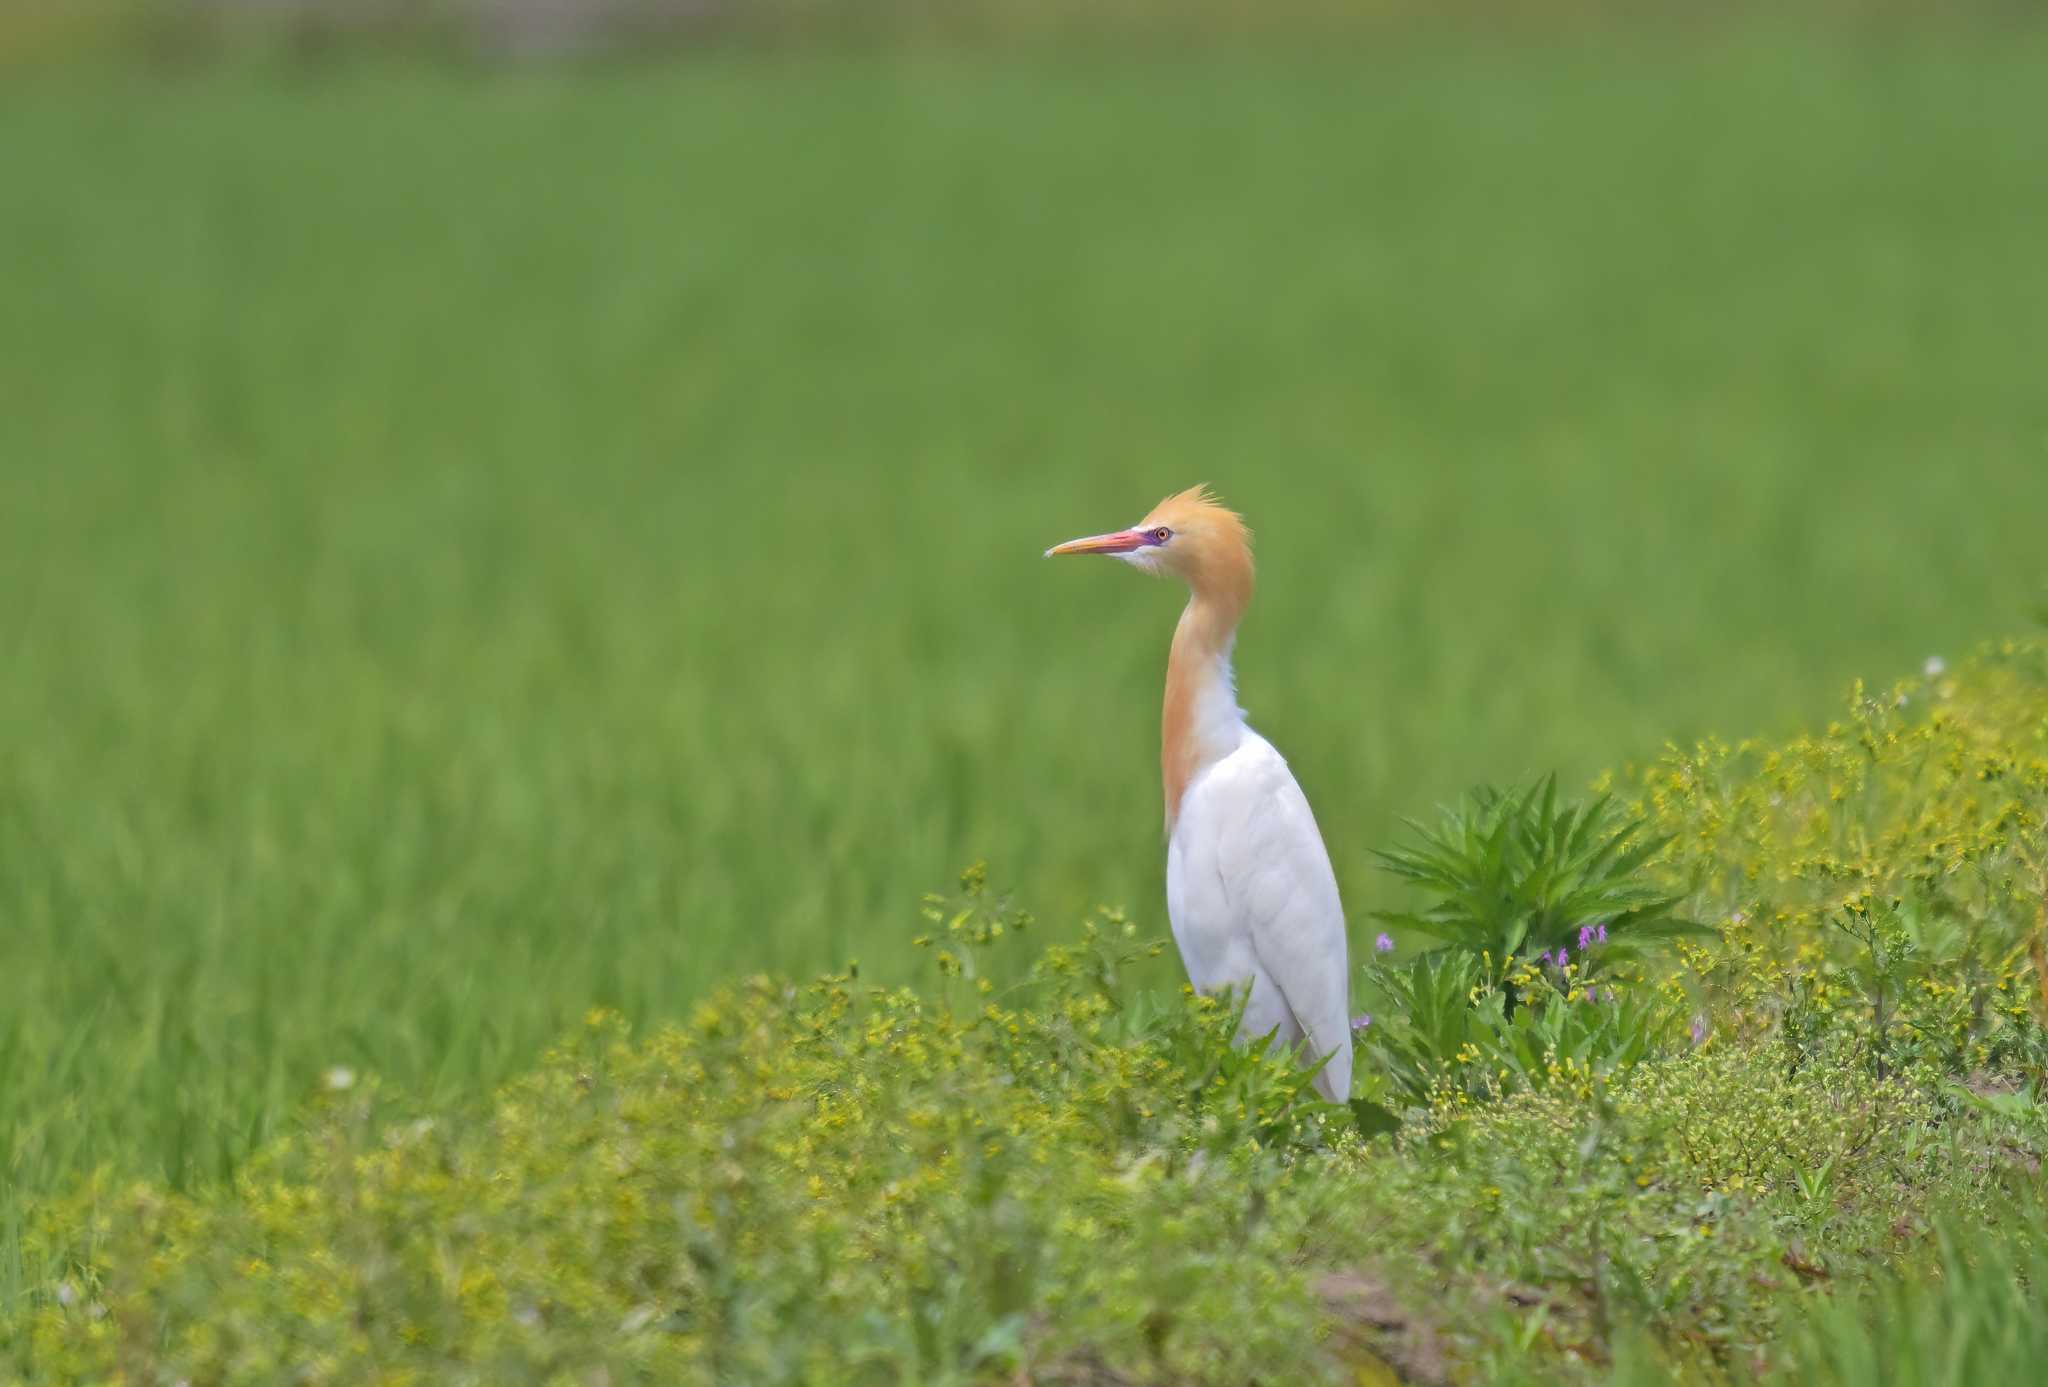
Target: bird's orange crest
1197, 511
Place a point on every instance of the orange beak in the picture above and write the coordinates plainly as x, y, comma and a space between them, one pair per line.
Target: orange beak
1116, 542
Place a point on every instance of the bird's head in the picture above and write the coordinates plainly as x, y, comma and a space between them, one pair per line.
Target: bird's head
1190, 535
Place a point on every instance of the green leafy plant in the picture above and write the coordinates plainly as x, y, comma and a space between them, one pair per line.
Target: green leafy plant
1517, 872
1440, 1024
1536, 903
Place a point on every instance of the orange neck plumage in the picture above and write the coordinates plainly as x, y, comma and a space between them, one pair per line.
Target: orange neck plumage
1200, 723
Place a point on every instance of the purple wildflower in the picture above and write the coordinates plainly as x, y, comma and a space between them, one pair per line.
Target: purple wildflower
1585, 937
1699, 1028
1543, 955
1385, 943
1564, 955
1600, 935
1361, 1021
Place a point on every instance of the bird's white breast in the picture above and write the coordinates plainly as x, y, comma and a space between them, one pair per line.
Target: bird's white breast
1252, 897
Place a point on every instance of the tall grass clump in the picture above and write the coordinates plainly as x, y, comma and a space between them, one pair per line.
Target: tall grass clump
1972, 1313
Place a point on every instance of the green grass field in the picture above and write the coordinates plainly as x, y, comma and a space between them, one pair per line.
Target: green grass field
475, 546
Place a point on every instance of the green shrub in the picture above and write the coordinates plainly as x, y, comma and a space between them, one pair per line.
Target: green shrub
831, 1183
1545, 914
1885, 878
1694, 1200
1518, 873
1440, 1022
1739, 1159
848, 1184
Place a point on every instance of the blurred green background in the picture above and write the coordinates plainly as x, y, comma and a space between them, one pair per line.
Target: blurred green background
480, 539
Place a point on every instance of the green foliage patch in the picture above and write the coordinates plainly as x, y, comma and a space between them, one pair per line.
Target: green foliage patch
1515, 872
1066, 1178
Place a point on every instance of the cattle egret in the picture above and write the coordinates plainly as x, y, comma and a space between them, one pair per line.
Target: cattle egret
1248, 883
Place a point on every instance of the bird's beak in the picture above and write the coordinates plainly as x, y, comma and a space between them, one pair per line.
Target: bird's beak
1117, 542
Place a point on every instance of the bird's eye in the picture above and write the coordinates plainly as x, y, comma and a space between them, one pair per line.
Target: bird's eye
1161, 535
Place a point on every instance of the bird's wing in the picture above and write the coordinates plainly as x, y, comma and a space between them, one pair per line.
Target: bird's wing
1283, 892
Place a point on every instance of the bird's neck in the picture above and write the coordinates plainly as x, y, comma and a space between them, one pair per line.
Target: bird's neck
1201, 722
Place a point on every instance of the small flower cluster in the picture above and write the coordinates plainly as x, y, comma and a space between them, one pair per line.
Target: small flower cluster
1561, 956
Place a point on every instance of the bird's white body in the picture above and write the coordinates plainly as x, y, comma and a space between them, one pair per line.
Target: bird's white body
1254, 904
1249, 889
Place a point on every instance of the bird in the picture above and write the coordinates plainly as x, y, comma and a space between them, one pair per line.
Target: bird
1250, 893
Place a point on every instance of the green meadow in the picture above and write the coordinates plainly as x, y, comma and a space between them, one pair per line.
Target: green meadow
481, 545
